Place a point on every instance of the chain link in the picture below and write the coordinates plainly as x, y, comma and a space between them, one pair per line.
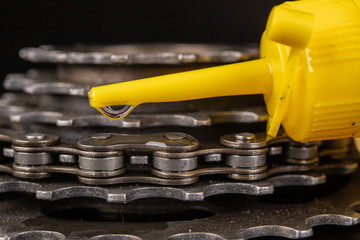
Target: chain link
170, 158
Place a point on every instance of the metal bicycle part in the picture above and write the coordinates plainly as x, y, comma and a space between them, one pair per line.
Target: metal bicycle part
55, 190
169, 158
71, 157
238, 214
140, 54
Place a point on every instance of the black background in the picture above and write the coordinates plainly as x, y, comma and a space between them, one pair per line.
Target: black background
26, 23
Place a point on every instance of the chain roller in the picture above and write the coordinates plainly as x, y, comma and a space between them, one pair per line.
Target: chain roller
170, 158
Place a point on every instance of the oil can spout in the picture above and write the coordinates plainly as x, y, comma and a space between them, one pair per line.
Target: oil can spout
253, 77
308, 73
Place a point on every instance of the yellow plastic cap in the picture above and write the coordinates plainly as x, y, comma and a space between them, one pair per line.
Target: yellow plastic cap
290, 27
319, 95
309, 74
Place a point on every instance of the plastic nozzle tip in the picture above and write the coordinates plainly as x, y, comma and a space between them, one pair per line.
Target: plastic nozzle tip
91, 97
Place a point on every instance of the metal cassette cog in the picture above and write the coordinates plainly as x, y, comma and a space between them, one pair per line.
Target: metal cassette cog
172, 54
59, 97
216, 218
61, 189
170, 158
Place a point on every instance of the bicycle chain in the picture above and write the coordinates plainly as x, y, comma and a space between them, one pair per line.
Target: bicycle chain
104, 159
162, 158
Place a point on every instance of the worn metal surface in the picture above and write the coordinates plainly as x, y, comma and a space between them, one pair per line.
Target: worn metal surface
289, 214
199, 119
63, 188
172, 54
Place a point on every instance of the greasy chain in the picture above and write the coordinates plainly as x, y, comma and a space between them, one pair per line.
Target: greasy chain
170, 158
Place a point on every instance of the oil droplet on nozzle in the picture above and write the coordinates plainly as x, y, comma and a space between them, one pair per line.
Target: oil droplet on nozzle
116, 112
